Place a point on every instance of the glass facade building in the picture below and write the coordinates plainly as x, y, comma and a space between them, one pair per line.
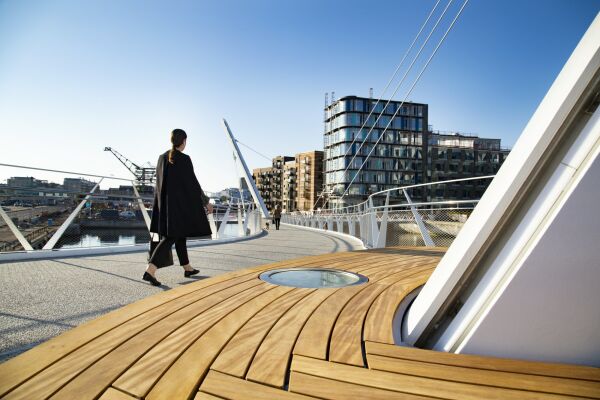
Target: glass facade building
398, 159
407, 153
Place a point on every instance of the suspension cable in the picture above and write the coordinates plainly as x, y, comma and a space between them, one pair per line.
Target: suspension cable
396, 90
64, 172
433, 29
251, 149
387, 86
407, 94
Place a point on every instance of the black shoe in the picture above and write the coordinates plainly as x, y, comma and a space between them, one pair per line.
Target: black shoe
151, 279
187, 274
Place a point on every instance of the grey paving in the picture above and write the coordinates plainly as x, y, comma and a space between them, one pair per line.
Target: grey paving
43, 298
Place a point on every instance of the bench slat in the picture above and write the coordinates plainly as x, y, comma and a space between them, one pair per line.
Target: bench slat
380, 318
314, 338
186, 374
270, 365
139, 378
20, 369
53, 378
114, 394
482, 362
511, 380
237, 355
239, 389
412, 384
337, 390
346, 338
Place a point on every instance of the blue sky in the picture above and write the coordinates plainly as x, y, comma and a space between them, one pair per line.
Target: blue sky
76, 76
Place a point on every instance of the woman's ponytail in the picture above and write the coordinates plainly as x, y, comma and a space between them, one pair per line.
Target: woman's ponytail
178, 136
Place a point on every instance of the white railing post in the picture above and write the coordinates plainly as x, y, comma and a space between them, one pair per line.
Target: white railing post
15, 230
419, 221
213, 225
141, 205
241, 231
223, 225
373, 224
351, 225
57, 235
382, 236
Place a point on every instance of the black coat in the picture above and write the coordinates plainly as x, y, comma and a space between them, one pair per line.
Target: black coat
179, 201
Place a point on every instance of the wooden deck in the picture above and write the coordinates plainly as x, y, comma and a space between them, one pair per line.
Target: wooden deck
236, 337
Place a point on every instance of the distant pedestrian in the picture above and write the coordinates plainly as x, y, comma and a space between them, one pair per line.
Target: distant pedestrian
277, 217
179, 208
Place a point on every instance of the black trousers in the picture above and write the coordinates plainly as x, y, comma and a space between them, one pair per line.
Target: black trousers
165, 244
277, 222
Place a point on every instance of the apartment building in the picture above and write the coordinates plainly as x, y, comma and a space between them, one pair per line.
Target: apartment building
373, 145
294, 183
309, 171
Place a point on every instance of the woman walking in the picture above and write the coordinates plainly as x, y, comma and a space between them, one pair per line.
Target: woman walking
277, 216
178, 210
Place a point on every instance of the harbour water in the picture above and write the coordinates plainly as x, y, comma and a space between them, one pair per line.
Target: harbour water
117, 237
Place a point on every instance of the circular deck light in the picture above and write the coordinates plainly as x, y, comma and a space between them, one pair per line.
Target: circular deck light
312, 277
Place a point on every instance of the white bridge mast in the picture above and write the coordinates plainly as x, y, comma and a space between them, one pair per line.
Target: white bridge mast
247, 175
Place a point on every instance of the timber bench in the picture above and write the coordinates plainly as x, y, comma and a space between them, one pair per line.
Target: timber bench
237, 337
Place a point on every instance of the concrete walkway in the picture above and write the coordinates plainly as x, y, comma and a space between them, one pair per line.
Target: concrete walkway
41, 299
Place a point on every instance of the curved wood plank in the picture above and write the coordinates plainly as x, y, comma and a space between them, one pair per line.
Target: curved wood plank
237, 355
509, 380
380, 318
60, 373
16, 371
314, 338
482, 362
173, 345
270, 365
139, 378
411, 384
113, 394
183, 378
99, 376
326, 388
346, 338
239, 389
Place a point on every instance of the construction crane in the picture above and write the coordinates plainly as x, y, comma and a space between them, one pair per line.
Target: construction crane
143, 175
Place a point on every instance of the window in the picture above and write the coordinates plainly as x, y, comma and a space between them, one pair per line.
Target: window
359, 105
377, 107
389, 137
384, 120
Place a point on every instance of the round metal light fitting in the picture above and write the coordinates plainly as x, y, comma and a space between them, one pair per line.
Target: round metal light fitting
312, 278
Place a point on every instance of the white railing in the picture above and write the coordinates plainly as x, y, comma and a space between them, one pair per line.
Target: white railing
98, 212
392, 218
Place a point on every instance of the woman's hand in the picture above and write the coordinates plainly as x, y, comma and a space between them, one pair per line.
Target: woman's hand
209, 208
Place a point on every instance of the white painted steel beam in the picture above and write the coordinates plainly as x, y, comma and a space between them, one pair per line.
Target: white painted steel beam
382, 233
224, 221
524, 266
141, 205
247, 175
58, 234
419, 221
15, 230
213, 225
